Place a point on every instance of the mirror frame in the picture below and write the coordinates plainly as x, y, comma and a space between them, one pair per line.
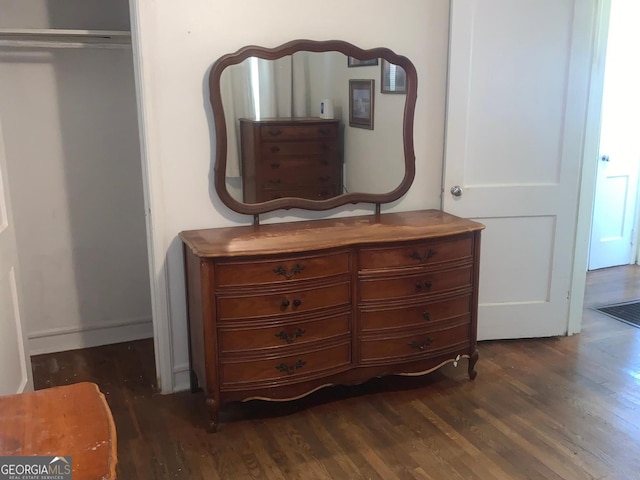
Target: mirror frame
220, 166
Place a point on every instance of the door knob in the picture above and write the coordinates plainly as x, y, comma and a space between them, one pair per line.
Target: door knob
604, 158
456, 191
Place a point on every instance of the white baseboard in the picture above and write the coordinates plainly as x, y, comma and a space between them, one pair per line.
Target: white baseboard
181, 377
104, 333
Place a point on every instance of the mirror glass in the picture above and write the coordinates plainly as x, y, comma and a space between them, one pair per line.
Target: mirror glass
313, 123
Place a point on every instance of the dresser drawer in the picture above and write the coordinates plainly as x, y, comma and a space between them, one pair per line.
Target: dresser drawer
285, 369
423, 253
423, 283
312, 131
289, 302
306, 166
422, 314
295, 172
284, 269
420, 344
271, 150
289, 182
282, 335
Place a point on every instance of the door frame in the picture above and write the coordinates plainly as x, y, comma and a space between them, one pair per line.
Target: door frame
634, 250
154, 218
7, 228
589, 169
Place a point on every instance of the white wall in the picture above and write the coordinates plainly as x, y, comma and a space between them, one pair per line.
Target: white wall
379, 147
178, 41
70, 126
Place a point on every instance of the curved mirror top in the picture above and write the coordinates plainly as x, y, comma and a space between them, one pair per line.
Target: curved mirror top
312, 125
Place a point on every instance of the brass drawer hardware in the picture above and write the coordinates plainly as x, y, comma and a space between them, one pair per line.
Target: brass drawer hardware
426, 284
290, 337
422, 258
289, 369
296, 302
297, 268
421, 346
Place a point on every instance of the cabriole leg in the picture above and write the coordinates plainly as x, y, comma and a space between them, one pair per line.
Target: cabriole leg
212, 407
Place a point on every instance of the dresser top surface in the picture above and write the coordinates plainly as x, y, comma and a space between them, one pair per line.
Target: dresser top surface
308, 235
289, 120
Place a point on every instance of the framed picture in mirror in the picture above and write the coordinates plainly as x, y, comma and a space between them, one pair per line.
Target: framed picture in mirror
394, 78
361, 104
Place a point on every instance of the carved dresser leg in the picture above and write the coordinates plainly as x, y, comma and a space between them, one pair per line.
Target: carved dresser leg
473, 359
213, 408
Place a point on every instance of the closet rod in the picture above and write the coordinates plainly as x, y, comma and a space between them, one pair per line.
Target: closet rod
58, 44
64, 38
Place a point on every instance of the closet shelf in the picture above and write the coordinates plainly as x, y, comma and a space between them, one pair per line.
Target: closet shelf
63, 38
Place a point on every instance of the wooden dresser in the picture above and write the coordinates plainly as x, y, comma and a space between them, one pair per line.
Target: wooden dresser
290, 157
278, 311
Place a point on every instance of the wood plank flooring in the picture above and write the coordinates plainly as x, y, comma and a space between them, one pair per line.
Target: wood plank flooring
558, 408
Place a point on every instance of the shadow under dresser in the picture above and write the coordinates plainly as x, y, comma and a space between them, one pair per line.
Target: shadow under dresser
278, 311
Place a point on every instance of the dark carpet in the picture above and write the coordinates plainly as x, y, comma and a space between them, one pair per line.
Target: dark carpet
628, 312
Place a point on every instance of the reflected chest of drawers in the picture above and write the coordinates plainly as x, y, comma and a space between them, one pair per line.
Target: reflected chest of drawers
295, 157
278, 311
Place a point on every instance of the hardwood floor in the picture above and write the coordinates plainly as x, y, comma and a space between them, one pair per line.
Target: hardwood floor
558, 408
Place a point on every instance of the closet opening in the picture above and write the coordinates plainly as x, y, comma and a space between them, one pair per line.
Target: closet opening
69, 121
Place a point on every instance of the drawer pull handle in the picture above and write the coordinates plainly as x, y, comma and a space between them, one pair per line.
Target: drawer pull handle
426, 316
421, 346
275, 149
427, 284
323, 194
282, 335
275, 181
296, 303
324, 131
325, 178
422, 258
297, 268
324, 162
289, 369
274, 132
275, 165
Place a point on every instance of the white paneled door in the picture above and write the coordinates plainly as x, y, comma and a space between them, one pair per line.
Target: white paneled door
516, 113
15, 373
614, 211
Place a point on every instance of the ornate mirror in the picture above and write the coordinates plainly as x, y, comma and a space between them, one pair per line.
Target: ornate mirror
312, 125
